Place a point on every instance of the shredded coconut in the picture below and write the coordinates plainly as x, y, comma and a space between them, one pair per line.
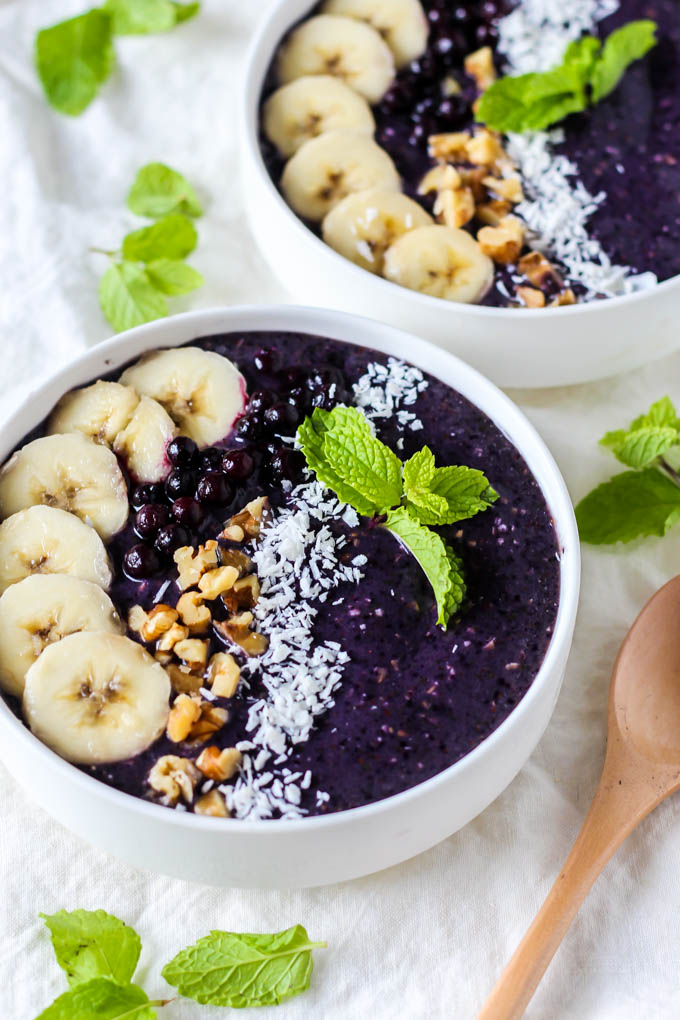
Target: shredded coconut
557, 206
385, 390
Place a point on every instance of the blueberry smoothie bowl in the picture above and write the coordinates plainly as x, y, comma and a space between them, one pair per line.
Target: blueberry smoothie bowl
257, 577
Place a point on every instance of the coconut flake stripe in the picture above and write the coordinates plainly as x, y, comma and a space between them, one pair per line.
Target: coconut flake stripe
297, 563
533, 37
385, 391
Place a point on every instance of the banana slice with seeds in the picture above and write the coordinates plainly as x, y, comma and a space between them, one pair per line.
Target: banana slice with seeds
42, 609
364, 225
309, 106
99, 411
401, 23
142, 444
95, 697
343, 47
46, 540
441, 261
202, 392
69, 472
328, 168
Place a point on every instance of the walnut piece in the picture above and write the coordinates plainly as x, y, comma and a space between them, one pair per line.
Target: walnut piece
243, 595
171, 637
212, 719
193, 563
193, 614
531, 297
451, 144
212, 804
509, 188
173, 777
183, 680
158, 620
249, 519
219, 765
136, 618
484, 148
186, 711
439, 178
537, 269
193, 652
502, 243
216, 581
565, 297
237, 629
491, 213
479, 65
224, 675
455, 208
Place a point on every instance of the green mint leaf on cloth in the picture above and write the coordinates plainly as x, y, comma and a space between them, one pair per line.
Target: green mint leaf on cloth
622, 48
73, 58
647, 438
173, 277
630, 505
435, 558
91, 943
159, 190
173, 237
128, 297
310, 436
662, 412
357, 457
101, 999
142, 17
228, 969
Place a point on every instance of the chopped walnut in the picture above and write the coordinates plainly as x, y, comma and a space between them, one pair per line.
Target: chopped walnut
219, 765
183, 680
484, 148
186, 711
193, 652
224, 675
193, 563
216, 581
502, 243
565, 297
234, 533
243, 595
455, 208
158, 620
212, 719
509, 188
453, 143
165, 658
212, 804
472, 178
237, 629
479, 65
136, 618
491, 213
531, 297
250, 518
173, 777
193, 613
236, 558
175, 634
537, 269
439, 178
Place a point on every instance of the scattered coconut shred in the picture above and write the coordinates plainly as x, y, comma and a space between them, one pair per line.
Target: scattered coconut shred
533, 37
297, 564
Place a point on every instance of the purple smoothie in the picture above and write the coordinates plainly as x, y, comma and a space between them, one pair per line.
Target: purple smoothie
414, 699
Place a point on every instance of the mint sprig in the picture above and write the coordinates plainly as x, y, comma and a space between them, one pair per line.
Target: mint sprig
150, 267
342, 450
589, 72
99, 954
75, 57
642, 501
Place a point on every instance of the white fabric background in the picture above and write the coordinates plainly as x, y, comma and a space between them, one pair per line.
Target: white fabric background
426, 939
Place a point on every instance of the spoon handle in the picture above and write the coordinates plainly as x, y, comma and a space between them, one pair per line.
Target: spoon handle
620, 802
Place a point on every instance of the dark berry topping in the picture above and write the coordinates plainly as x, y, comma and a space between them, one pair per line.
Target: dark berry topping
180, 482
267, 359
282, 418
210, 459
141, 561
260, 400
249, 426
238, 464
187, 511
171, 537
287, 465
151, 492
182, 451
214, 488
150, 518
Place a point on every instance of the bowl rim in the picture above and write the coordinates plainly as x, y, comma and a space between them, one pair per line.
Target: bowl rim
250, 148
295, 318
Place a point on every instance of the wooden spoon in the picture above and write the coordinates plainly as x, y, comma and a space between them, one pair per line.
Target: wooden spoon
641, 768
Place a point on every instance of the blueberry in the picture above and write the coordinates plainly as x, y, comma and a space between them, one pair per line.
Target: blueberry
214, 488
180, 482
267, 359
182, 451
326, 396
260, 400
290, 377
150, 518
281, 418
238, 464
148, 493
299, 398
325, 377
287, 464
141, 561
171, 537
187, 510
210, 459
249, 426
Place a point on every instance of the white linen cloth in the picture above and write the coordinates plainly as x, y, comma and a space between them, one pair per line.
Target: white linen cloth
428, 938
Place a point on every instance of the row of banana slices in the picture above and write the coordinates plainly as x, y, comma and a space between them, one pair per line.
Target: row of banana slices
331, 67
89, 692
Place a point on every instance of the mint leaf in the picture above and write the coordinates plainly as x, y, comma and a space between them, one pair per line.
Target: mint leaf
437, 560
361, 460
629, 505
173, 237
310, 438
159, 190
173, 277
183, 12
101, 999
662, 412
73, 58
128, 298
92, 943
419, 470
640, 447
142, 17
444, 495
582, 54
622, 48
228, 969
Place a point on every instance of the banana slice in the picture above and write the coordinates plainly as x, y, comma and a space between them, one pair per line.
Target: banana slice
46, 540
328, 168
401, 23
343, 47
202, 392
308, 107
441, 261
99, 411
69, 472
364, 225
41, 610
143, 443
96, 697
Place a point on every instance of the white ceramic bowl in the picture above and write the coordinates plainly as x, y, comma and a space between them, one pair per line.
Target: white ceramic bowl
345, 845
514, 347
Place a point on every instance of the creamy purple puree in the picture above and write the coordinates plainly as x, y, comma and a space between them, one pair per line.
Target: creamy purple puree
413, 699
